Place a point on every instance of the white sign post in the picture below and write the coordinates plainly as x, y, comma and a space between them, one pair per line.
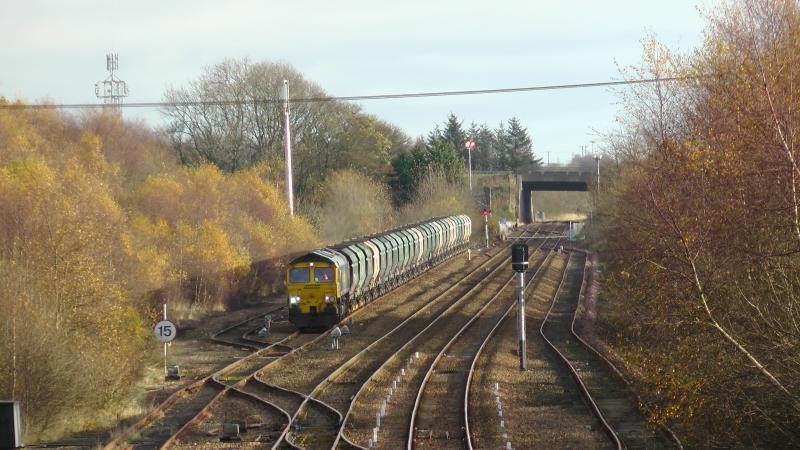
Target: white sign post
165, 331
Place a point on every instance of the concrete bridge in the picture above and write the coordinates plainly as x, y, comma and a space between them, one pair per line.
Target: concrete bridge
550, 179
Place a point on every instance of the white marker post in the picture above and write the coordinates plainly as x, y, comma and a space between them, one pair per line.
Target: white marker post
287, 143
485, 214
165, 331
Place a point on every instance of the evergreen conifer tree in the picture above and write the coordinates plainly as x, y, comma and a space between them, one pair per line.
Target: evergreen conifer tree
484, 156
517, 147
454, 134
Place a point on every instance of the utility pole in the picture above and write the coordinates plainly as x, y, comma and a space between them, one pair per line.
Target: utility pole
598, 157
112, 90
469, 145
287, 143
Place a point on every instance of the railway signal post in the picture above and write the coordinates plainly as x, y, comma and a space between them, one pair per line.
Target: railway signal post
519, 262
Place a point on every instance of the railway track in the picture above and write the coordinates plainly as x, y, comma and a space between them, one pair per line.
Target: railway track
244, 334
401, 368
173, 418
606, 394
308, 414
234, 382
536, 408
438, 420
357, 359
240, 381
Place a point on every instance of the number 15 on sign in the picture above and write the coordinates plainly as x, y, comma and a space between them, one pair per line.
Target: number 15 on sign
165, 331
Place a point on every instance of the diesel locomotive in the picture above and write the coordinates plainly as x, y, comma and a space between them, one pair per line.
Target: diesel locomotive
327, 284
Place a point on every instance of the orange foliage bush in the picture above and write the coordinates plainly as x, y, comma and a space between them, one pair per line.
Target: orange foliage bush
95, 217
701, 229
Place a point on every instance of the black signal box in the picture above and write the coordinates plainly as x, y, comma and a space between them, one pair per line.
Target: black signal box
519, 257
10, 425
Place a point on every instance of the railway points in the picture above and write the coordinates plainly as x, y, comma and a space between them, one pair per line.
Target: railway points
405, 314
226, 380
173, 417
416, 370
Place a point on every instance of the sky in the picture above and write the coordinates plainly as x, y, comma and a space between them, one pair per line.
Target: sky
56, 50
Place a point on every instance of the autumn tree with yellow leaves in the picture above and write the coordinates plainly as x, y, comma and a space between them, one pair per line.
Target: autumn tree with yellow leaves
97, 223
701, 232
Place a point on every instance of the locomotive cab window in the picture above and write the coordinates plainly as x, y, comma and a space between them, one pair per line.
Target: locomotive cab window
323, 275
298, 275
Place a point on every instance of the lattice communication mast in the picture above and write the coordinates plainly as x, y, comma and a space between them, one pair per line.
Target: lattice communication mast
112, 90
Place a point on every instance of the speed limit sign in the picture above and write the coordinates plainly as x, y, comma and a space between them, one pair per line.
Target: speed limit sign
165, 331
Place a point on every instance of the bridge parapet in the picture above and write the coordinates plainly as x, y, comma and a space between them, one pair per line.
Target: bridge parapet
574, 175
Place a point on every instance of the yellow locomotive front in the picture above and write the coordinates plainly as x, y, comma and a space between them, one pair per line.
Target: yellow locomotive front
311, 285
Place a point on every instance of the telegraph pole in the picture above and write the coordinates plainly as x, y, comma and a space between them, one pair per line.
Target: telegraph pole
598, 157
287, 143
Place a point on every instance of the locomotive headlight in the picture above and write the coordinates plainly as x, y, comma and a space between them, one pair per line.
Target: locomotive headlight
293, 300
329, 298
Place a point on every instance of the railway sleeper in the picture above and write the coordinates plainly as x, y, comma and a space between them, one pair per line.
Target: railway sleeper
447, 435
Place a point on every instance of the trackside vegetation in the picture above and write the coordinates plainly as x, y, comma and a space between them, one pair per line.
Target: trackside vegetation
700, 231
95, 232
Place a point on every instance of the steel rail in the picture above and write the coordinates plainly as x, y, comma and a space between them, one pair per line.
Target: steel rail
340, 435
242, 393
307, 398
159, 410
286, 414
226, 388
676, 442
187, 390
357, 356
202, 414
477, 356
249, 342
457, 335
574, 373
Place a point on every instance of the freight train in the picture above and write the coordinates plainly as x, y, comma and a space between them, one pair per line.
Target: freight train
327, 284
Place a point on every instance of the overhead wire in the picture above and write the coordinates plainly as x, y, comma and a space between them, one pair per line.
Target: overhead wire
168, 104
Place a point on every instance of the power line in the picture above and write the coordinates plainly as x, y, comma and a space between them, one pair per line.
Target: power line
346, 98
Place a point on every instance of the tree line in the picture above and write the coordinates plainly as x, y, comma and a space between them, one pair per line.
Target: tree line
506, 148
222, 118
700, 230
99, 225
